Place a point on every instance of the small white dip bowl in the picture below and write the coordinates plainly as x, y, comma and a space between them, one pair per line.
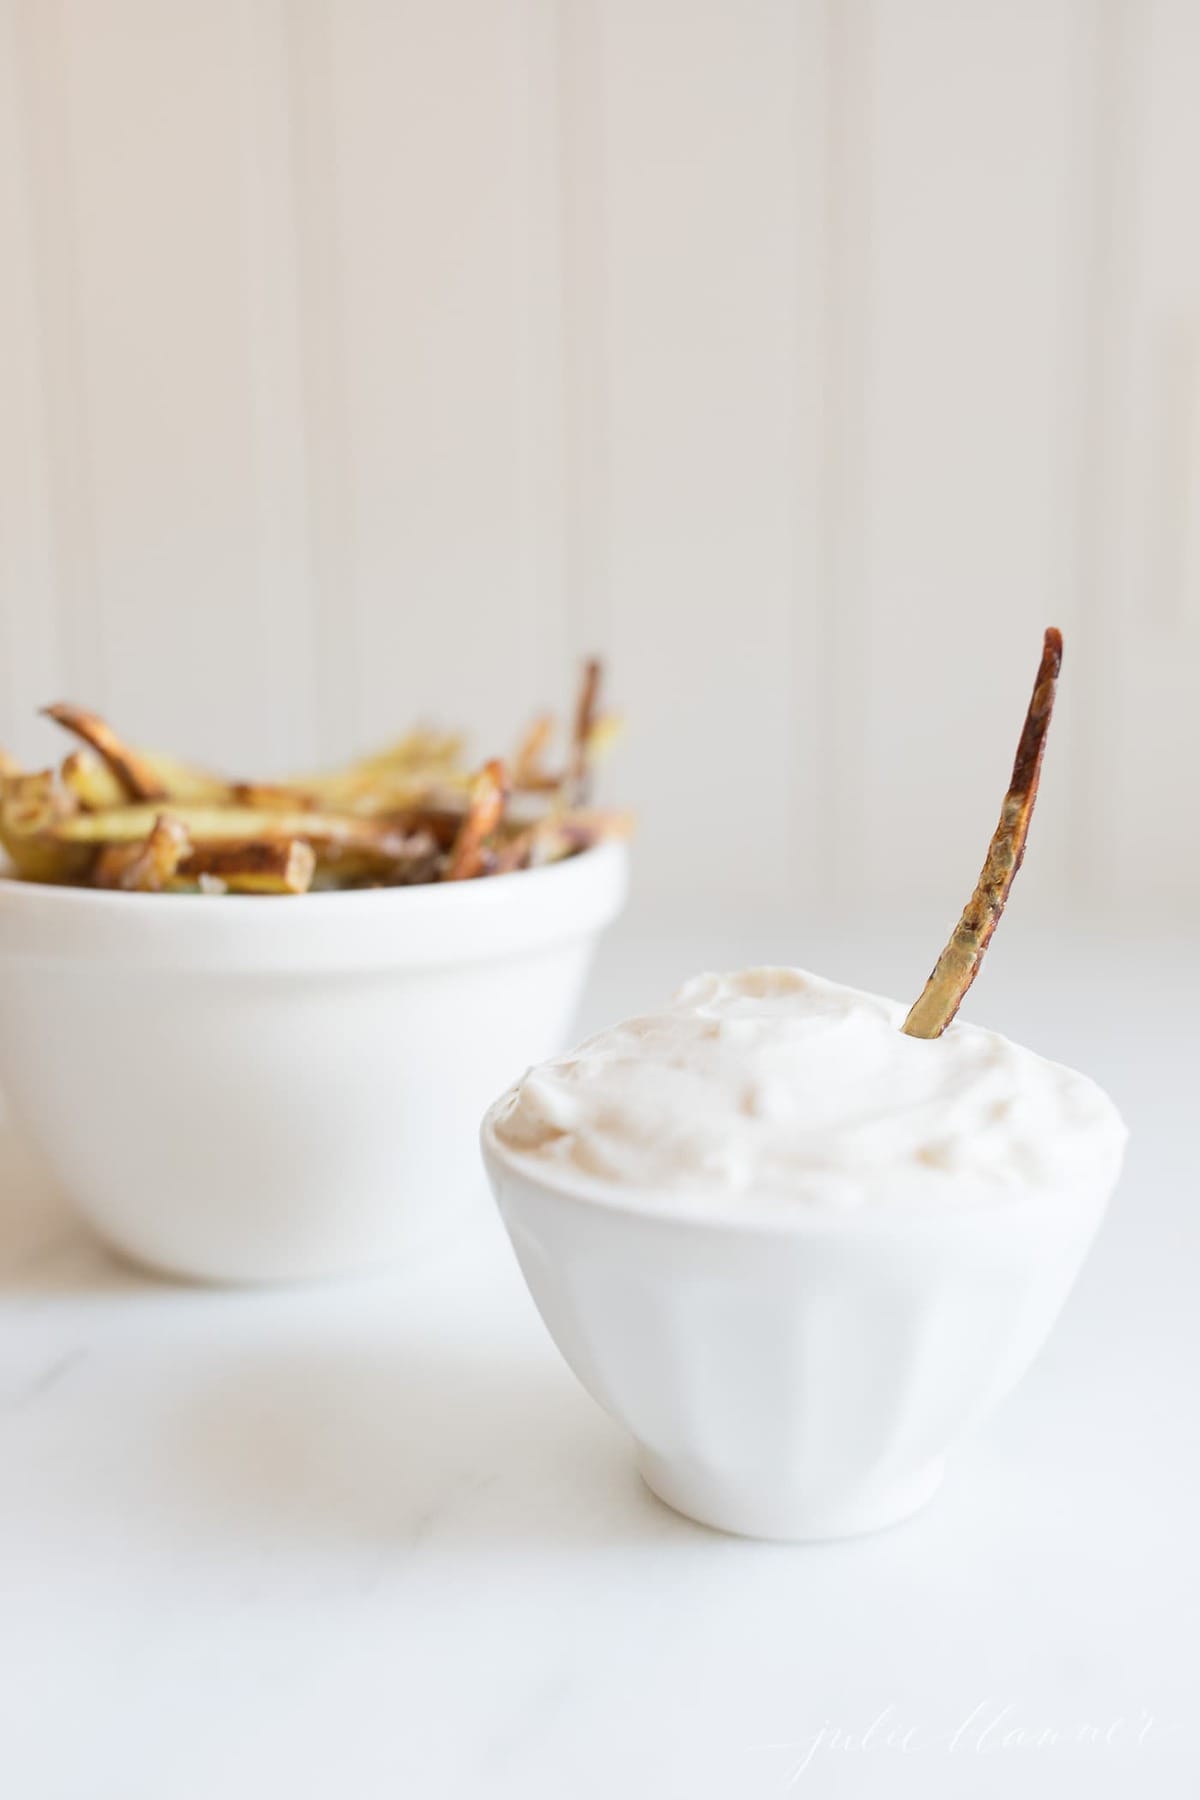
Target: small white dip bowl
275, 1089
790, 1373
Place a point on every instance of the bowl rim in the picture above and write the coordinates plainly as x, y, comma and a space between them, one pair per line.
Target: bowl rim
421, 927
740, 1215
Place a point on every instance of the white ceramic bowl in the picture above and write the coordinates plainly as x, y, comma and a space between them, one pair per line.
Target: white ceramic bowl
252, 1089
796, 1375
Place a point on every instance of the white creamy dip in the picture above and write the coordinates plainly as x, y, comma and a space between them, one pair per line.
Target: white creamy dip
779, 1084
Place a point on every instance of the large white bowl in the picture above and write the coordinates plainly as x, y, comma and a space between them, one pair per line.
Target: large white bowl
791, 1374
254, 1089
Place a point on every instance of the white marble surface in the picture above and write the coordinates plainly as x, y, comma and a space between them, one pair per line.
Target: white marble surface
372, 1540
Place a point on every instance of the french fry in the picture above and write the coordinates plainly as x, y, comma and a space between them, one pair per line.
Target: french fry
33, 809
402, 773
144, 868
529, 772
8, 765
958, 965
227, 824
272, 797
184, 781
136, 777
262, 866
578, 780
136, 820
91, 781
32, 803
603, 735
419, 750
400, 859
485, 809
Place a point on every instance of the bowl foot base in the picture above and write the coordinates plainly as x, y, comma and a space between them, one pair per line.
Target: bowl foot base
786, 1516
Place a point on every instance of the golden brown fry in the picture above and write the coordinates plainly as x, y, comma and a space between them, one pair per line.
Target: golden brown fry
350, 850
8, 765
272, 796
135, 774
529, 771
33, 809
578, 781
603, 735
230, 824
958, 965
398, 860
530, 774
402, 773
136, 819
265, 866
184, 781
485, 809
91, 781
392, 790
32, 803
421, 750
144, 868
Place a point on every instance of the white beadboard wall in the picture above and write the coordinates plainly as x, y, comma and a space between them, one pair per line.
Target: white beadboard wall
370, 359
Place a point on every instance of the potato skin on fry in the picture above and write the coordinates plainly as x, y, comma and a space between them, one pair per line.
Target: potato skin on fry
144, 868
91, 781
135, 775
485, 809
254, 867
958, 965
33, 808
577, 785
139, 821
227, 823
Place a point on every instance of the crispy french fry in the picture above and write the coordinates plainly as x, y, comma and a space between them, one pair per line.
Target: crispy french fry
8, 765
184, 781
391, 791
272, 797
263, 866
32, 803
422, 749
144, 868
403, 771
958, 965
349, 850
485, 809
138, 820
398, 860
138, 779
91, 781
228, 824
603, 735
33, 809
529, 771
578, 781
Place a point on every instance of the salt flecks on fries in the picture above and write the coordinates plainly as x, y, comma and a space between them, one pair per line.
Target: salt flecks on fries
133, 821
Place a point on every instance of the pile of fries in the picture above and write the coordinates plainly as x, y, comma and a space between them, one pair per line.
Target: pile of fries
115, 817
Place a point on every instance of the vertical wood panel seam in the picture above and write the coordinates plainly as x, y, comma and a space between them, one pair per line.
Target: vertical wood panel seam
54, 231
587, 433
287, 622
339, 639
1101, 410
540, 349
844, 335
13, 700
